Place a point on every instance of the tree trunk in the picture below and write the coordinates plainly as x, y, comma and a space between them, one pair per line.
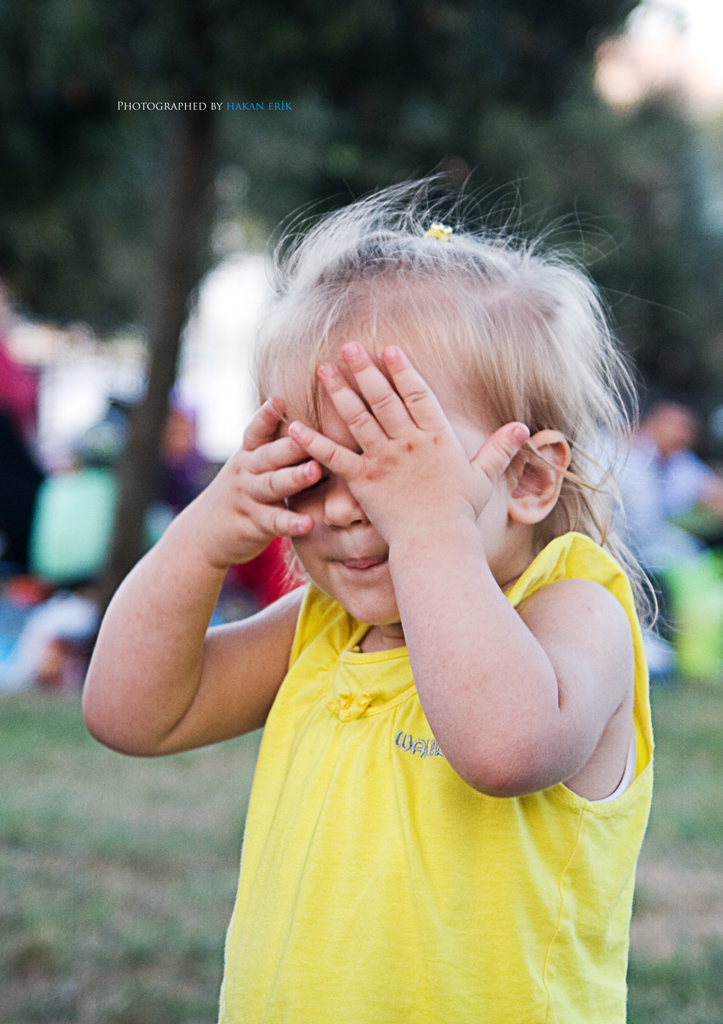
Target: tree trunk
183, 229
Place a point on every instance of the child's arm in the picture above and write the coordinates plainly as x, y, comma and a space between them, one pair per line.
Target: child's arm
157, 682
517, 701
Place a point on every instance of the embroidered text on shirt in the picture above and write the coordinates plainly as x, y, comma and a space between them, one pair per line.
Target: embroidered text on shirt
425, 748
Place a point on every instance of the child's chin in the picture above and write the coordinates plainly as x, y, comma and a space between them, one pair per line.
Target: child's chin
365, 608
373, 615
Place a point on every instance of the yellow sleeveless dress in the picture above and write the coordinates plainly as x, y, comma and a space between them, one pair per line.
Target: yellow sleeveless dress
377, 887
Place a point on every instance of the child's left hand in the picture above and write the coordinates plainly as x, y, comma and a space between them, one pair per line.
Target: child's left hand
411, 464
518, 699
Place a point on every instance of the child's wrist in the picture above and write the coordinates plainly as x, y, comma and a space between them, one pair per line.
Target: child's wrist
426, 534
184, 543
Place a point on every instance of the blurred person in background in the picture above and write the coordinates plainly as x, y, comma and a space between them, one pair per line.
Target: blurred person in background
663, 481
20, 476
184, 472
662, 484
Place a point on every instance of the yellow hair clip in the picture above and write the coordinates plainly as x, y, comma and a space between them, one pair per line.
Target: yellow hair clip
442, 232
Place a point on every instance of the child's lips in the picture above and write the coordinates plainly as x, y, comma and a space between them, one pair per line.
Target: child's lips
361, 564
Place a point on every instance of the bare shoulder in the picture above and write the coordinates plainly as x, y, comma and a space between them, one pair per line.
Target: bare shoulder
568, 604
581, 620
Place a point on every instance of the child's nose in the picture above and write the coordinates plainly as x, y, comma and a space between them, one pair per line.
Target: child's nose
341, 509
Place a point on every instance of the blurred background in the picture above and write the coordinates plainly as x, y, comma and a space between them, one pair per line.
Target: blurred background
148, 154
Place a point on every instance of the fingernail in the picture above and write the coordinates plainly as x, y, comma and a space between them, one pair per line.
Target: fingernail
352, 348
520, 433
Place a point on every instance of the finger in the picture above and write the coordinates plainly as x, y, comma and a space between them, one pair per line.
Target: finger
278, 521
498, 451
264, 424
276, 454
419, 399
362, 425
282, 483
335, 457
385, 403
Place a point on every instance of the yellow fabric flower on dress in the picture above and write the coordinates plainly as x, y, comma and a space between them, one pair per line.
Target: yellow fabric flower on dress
442, 232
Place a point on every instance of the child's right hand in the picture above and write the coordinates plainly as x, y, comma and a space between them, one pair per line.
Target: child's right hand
158, 682
243, 508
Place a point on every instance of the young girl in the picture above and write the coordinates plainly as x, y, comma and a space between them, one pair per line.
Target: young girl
455, 773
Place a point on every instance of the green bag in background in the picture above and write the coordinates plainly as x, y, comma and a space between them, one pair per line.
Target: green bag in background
696, 592
73, 525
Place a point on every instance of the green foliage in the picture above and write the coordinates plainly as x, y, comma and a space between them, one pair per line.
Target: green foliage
626, 185
72, 226
82, 252
380, 92
391, 86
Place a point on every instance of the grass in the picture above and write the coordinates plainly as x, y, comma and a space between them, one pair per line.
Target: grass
676, 963
687, 816
117, 875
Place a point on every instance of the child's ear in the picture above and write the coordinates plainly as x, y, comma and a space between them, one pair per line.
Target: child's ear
536, 481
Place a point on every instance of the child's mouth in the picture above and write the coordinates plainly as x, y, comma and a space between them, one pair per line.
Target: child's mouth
362, 564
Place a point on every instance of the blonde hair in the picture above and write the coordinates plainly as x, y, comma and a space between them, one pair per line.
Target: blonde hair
516, 326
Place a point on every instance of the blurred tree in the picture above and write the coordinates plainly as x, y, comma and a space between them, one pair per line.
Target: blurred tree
395, 84
710, 162
380, 90
73, 243
636, 176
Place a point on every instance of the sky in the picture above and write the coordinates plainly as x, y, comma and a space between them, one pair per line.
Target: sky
673, 43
